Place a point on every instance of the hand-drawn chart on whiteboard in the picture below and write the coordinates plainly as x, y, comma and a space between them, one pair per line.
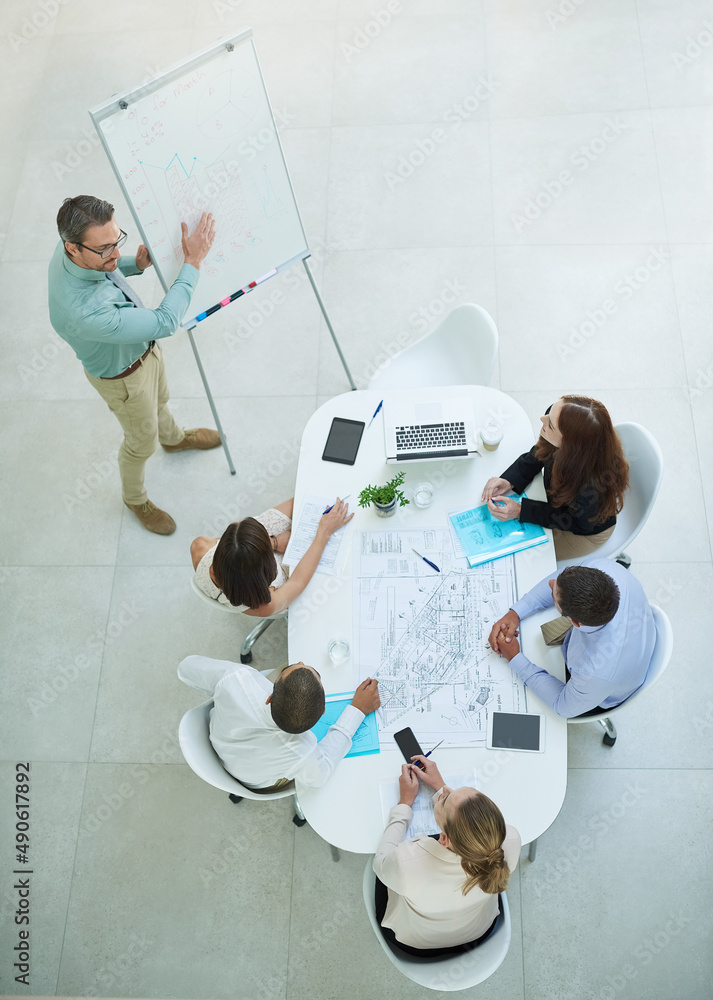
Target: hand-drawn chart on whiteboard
424, 638
202, 138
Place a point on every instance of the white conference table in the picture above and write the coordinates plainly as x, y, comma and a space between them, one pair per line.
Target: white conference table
529, 788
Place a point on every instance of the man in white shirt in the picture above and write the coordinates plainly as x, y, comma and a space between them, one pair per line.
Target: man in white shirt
260, 730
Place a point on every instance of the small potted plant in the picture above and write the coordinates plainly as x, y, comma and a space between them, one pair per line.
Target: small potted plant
384, 497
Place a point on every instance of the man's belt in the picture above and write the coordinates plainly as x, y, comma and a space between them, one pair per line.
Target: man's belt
132, 368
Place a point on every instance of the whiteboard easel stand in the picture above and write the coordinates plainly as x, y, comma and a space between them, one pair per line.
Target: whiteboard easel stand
211, 403
329, 325
206, 387
239, 46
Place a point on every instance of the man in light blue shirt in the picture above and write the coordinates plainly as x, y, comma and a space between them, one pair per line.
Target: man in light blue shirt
608, 649
96, 311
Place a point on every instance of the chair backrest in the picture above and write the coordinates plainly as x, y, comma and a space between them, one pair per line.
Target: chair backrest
209, 600
447, 974
198, 752
226, 607
660, 659
462, 350
645, 460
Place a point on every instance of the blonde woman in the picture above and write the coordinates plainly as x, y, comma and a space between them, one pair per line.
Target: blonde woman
438, 895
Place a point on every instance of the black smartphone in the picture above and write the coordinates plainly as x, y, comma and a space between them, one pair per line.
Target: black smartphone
408, 745
343, 441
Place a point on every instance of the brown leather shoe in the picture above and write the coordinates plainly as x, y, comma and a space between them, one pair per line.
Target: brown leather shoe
152, 518
202, 438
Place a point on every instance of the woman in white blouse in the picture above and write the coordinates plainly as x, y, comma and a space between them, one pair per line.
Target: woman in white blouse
436, 896
243, 569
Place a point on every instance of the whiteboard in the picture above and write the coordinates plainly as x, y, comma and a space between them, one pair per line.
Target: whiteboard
201, 137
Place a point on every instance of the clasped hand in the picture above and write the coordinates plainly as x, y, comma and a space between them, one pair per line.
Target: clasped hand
503, 635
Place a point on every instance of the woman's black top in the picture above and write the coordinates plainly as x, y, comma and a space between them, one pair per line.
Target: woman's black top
577, 517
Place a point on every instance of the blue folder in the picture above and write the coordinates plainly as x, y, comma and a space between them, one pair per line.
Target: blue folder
364, 741
484, 538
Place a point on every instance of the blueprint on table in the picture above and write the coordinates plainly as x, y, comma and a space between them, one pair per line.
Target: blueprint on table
425, 638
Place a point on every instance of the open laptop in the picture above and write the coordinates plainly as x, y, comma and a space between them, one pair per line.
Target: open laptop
419, 432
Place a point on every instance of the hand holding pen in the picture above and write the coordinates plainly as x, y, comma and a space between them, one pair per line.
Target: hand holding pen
332, 507
428, 773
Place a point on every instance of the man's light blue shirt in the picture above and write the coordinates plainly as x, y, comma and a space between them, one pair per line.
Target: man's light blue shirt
106, 331
607, 663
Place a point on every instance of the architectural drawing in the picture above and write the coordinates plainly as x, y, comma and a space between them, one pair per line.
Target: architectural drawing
425, 639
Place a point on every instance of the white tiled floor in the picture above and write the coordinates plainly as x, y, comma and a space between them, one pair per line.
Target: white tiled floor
148, 883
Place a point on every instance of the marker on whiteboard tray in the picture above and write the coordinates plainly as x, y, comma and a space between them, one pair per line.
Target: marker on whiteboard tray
259, 281
235, 295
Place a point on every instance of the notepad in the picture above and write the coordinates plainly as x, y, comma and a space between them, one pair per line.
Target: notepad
484, 538
304, 528
364, 741
423, 819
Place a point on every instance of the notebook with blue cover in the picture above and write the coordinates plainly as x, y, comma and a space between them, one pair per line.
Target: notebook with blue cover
484, 538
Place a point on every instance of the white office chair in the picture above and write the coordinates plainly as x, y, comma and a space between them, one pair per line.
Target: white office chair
262, 623
645, 474
198, 752
459, 972
462, 350
659, 661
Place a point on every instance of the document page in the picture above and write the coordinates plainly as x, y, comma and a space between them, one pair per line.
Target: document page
304, 528
424, 820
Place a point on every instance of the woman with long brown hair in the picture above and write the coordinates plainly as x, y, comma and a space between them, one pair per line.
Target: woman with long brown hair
438, 895
585, 474
243, 568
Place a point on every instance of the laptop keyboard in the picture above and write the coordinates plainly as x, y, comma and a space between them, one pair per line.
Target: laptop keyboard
435, 440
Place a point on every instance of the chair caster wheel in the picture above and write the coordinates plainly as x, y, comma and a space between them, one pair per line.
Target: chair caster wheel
608, 741
246, 657
235, 798
298, 822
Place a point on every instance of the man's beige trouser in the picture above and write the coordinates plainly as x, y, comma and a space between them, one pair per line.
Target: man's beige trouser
139, 404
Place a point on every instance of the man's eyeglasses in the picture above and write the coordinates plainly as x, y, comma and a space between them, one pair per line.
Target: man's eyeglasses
107, 251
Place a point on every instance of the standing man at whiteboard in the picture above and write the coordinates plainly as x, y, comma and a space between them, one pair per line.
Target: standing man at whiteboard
103, 320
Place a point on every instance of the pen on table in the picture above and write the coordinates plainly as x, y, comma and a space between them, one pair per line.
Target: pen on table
330, 508
431, 564
375, 413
